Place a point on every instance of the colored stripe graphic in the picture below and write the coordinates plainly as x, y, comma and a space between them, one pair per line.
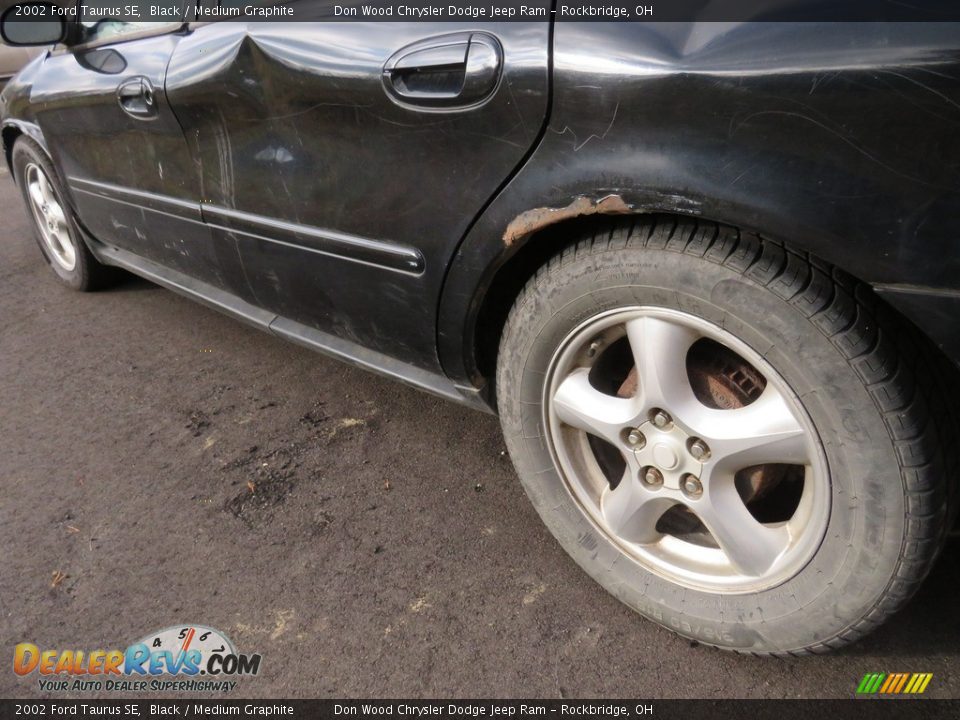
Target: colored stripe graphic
891, 680
894, 683
903, 681
886, 685
920, 683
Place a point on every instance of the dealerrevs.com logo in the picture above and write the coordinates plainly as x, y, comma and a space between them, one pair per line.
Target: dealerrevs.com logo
187, 658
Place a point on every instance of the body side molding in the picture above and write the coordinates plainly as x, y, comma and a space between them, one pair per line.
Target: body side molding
367, 251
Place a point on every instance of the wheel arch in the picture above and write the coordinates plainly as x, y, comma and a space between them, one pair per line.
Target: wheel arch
524, 244
13, 129
8, 136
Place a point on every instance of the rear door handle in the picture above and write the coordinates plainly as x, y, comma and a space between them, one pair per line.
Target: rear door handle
137, 99
452, 71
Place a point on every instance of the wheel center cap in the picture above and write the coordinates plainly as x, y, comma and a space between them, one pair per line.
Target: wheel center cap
665, 456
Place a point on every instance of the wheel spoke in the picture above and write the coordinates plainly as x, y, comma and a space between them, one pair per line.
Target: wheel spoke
67, 250
632, 512
659, 350
56, 213
765, 431
45, 188
36, 194
579, 404
751, 547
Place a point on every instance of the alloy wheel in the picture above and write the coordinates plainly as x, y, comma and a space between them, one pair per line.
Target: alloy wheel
687, 449
50, 218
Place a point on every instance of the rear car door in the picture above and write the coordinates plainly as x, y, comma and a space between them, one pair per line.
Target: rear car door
347, 159
120, 148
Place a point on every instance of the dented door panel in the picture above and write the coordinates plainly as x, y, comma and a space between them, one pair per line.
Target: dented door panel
347, 204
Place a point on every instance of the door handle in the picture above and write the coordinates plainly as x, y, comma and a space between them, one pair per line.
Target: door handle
137, 99
451, 71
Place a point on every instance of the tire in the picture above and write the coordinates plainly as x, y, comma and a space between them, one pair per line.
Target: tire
54, 227
776, 358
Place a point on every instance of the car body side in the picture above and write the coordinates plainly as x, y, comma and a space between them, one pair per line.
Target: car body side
12, 59
838, 140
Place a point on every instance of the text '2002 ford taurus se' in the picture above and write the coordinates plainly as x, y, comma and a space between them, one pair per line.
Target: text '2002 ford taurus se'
706, 274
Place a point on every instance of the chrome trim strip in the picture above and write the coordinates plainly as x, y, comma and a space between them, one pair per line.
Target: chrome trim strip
152, 201
389, 256
101, 196
332, 243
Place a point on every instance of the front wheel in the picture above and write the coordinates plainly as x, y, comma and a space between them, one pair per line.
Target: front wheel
732, 440
53, 225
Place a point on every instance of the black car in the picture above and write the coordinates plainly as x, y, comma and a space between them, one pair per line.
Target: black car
706, 273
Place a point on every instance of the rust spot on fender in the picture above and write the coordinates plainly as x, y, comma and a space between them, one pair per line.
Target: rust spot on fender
530, 221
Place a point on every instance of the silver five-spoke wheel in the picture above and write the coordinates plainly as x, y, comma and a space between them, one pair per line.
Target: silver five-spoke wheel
737, 441
687, 449
50, 218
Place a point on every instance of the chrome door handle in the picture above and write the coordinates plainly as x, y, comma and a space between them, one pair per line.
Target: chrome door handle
137, 98
457, 70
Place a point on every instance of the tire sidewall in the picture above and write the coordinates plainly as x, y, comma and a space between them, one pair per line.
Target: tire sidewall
863, 541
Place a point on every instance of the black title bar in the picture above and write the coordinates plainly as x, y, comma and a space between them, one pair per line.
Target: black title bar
498, 10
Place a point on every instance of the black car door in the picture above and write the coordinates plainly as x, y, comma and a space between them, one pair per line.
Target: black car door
347, 159
102, 109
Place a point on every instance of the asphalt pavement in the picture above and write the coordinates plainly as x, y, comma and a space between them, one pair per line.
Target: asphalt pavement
161, 464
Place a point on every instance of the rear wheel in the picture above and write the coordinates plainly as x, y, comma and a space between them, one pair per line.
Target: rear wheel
54, 228
729, 438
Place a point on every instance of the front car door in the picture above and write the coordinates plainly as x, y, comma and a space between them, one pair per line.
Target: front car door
347, 159
103, 111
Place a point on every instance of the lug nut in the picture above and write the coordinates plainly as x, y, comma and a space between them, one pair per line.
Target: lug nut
698, 448
692, 487
660, 418
636, 438
652, 477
